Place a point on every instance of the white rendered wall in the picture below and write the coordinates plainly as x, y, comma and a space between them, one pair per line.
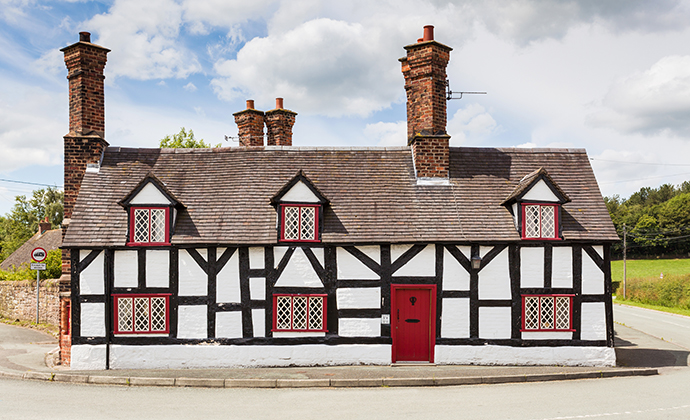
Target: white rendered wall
150, 194
562, 267
494, 279
256, 258
299, 272
455, 277
228, 281
278, 253
259, 321
455, 318
257, 288
547, 335
592, 277
358, 298
534, 356
193, 281
92, 319
398, 250
228, 324
299, 193
421, 265
192, 321
531, 267
157, 268
350, 268
359, 327
91, 280
494, 322
87, 357
540, 192
126, 269
297, 334
593, 325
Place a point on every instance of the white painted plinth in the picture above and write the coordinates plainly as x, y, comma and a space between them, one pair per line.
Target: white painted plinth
529, 356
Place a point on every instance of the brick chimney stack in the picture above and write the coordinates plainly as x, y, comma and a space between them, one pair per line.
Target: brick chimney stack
250, 124
279, 123
424, 69
84, 144
43, 226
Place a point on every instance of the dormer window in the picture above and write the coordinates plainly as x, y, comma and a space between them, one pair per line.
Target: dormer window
300, 210
151, 211
540, 221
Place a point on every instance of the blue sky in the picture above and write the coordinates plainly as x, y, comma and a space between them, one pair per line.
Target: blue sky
612, 77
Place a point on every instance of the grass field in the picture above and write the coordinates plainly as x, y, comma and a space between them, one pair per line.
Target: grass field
650, 269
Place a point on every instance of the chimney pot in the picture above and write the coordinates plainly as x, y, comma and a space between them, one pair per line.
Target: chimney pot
250, 103
429, 33
84, 36
279, 103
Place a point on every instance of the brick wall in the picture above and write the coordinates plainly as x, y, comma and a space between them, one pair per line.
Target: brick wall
279, 123
250, 124
18, 301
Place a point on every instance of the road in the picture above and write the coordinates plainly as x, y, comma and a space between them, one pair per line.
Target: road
669, 327
665, 396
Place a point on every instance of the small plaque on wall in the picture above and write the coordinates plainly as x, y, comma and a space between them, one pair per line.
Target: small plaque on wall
385, 319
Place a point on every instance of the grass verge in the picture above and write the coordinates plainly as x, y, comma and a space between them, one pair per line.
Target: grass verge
677, 311
46, 328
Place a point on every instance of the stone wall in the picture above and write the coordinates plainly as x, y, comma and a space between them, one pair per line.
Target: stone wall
18, 301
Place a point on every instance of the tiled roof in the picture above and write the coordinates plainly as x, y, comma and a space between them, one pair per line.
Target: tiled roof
49, 241
374, 197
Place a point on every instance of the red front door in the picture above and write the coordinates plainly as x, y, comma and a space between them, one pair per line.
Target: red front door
413, 322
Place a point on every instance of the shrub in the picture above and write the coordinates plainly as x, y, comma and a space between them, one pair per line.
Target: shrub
671, 291
53, 269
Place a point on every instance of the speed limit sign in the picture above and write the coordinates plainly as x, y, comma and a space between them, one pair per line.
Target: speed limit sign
39, 254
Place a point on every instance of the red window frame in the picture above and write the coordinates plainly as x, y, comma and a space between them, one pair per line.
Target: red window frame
132, 226
324, 307
556, 221
133, 331
317, 212
554, 329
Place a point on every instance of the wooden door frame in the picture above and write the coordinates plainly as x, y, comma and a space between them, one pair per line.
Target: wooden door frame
432, 316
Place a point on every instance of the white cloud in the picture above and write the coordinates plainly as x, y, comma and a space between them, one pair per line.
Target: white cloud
387, 134
189, 87
226, 13
650, 102
471, 125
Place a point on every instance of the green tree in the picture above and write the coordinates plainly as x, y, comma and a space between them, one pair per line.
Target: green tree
184, 140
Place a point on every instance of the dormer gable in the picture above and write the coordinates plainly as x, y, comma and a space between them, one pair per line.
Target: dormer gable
299, 189
537, 186
150, 191
299, 206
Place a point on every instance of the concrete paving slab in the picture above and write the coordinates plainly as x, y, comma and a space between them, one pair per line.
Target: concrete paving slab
250, 383
200, 382
136, 381
108, 380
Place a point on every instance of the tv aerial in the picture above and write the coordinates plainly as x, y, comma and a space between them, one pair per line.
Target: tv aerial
450, 94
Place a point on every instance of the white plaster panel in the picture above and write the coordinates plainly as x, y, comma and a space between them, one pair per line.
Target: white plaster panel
358, 298
92, 280
299, 193
259, 321
599, 249
532, 356
193, 281
87, 357
540, 192
350, 268
126, 269
228, 281
515, 215
256, 258
150, 194
494, 279
398, 250
562, 267
318, 253
157, 268
421, 265
257, 288
494, 322
359, 327
455, 277
531, 267
373, 252
203, 356
455, 318
298, 334
483, 250
593, 325
592, 277
278, 253
192, 321
299, 272
547, 335
228, 324
93, 319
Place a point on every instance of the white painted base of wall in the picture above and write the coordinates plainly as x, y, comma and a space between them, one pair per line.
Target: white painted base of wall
531, 356
88, 357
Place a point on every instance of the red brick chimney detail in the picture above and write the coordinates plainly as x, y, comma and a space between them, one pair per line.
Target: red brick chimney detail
43, 226
279, 123
424, 69
250, 124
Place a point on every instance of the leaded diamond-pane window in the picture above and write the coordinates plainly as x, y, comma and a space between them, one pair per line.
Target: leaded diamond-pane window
547, 313
540, 221
300, 223
141, 314
149, 225
299, 312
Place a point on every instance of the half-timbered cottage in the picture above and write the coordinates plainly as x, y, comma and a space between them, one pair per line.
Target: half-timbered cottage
269, 254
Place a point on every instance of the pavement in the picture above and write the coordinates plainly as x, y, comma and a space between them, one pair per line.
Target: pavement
24, 352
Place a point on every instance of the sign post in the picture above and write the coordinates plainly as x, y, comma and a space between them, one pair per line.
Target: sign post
39, 255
